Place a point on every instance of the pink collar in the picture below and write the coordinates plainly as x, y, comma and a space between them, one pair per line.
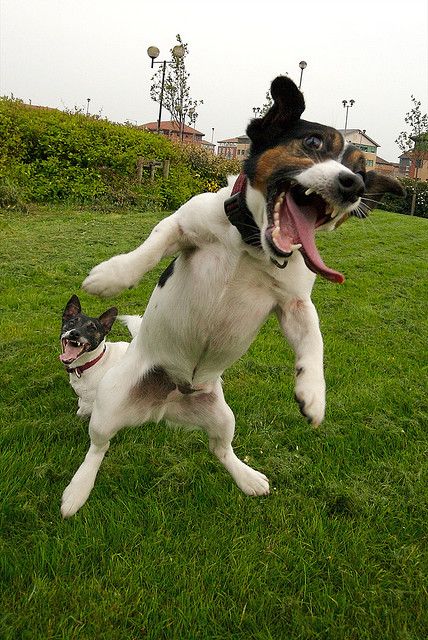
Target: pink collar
79, 370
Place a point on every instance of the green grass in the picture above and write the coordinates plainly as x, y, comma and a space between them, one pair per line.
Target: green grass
167, 546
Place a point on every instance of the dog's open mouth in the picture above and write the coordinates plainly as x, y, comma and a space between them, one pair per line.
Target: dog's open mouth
294, 215
71, 350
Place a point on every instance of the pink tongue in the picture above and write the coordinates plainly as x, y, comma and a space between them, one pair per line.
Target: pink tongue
70, 353
304, 219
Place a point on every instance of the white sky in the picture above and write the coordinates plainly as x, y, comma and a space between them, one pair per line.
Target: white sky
60, 52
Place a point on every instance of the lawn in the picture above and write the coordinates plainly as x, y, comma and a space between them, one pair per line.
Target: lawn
167, 546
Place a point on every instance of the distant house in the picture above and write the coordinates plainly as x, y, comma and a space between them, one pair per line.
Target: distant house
362, 141
209, 146
414, 163
234, 148
390, 168
171, 130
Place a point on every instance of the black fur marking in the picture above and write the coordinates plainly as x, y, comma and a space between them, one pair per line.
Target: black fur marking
166, 274
157, 384
185, 389
241, 217
301, 404
299, 371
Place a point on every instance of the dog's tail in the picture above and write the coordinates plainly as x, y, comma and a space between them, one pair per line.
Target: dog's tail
132, 323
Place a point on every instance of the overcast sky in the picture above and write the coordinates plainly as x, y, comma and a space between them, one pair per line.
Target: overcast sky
60, 52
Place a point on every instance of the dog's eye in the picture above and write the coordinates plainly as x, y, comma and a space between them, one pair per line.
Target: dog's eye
313, 142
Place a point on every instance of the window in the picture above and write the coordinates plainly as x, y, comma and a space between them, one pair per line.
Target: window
369, 163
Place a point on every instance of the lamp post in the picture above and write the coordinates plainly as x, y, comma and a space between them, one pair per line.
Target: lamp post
87, 106
153, 52
302, 66
347, 106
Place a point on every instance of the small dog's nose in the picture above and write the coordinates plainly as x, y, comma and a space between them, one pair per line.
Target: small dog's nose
73, 335
351, 185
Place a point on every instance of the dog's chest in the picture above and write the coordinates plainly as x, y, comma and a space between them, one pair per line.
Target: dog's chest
208, 311
85, 385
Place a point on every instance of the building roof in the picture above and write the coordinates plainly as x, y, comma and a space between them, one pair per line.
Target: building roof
244, 139
380, 160
228, 141
170, 125
363, 133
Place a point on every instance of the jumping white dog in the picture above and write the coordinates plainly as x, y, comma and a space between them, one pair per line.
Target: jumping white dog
243, 253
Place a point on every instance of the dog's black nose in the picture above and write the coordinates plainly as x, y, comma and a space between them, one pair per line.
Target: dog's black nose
351, 185
73, 335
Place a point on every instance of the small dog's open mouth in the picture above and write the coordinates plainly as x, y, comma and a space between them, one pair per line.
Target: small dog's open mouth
294, 214
71, 350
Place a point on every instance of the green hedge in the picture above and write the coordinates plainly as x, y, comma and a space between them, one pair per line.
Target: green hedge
48, 156
403, 205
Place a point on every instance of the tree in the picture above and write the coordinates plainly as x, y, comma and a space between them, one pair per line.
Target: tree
414, 141
259, 112
176, 90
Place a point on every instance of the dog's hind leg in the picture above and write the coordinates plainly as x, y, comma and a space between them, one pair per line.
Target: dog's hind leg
210, 412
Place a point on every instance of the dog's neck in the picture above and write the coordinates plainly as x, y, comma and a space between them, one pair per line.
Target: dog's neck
240, 215
87, 359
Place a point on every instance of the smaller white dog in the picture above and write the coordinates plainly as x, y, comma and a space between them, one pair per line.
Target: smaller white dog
86, 354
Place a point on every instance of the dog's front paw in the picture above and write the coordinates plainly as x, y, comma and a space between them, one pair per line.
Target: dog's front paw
310, 396
74, 497
110, 277
250, 481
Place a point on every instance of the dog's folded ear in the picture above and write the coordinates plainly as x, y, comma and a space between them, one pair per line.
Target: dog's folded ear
377, 185
72, 308
107, 318
288, 106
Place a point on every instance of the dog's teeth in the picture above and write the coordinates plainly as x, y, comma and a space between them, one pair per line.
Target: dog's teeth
282, 196
277, 207
295, 247
275, 232
308, 192
276, 218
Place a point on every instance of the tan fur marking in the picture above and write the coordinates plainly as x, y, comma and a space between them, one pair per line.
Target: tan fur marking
287, 157
354, 159
337, 144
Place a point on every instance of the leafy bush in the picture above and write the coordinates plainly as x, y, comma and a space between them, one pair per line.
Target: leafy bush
50, 156
211, 170
403, 205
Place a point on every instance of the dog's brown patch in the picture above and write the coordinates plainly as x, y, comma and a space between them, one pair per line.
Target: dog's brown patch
354, 159
293, 156
287, 157
154, 386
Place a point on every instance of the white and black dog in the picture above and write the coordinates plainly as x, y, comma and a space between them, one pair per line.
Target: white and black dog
243, 253
84, 351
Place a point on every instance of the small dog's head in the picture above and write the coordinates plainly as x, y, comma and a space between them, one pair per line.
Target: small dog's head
81, 333
304, 177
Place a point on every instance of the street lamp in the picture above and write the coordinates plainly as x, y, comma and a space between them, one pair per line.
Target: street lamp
153, 52
302, 66
87, 106
347, 106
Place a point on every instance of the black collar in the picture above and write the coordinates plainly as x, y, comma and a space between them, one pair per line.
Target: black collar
239, 214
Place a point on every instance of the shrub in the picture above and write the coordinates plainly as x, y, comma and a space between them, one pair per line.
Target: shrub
211, 170
403, 205
50, 156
